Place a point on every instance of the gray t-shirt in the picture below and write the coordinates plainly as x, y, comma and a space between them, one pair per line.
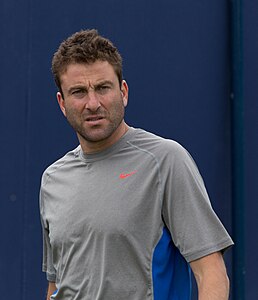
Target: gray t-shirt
124, 223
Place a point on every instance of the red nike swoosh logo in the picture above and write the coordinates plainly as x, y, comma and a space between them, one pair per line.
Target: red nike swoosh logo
125, 175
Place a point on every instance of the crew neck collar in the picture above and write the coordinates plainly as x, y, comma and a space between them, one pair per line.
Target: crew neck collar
90, 157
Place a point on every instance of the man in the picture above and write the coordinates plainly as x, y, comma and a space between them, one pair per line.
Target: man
126, 213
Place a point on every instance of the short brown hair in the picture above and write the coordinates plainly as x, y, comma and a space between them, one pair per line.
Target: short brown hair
85, 46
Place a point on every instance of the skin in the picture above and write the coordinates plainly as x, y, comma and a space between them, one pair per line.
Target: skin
51, 289
94, 103
211, 277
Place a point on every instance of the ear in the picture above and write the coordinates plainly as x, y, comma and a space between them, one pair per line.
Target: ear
60, 101
124, 91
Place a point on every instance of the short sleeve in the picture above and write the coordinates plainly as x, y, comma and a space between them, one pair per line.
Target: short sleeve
195, 228
47, 262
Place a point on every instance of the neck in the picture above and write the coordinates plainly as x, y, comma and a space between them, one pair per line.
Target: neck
94, 147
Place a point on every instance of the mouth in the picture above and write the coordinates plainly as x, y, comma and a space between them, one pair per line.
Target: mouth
94, 120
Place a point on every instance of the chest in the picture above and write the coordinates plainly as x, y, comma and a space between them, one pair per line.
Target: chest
107, 200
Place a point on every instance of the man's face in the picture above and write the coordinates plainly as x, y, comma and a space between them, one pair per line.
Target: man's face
93, 103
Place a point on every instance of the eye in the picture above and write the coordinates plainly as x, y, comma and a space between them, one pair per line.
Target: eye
102, 89
78, 93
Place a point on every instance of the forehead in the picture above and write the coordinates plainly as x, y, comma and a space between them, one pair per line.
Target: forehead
80, 73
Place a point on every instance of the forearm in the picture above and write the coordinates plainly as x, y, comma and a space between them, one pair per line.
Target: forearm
51, 289
213, 288
211, 277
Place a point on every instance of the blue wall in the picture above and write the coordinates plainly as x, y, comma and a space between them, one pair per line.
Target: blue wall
177, 64
250, 72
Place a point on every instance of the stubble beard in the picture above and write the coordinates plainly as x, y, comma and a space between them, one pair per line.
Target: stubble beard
98, 133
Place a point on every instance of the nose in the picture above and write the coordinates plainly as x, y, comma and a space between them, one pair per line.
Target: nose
93, 102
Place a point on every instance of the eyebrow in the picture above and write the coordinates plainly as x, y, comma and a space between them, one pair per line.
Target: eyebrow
76, 87
103, 83
83, 87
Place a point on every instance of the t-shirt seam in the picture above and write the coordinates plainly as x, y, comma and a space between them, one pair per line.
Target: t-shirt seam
152, 254
65, 159
208, 250
49, 173
114, 148
46, 270
161, 204
157, 164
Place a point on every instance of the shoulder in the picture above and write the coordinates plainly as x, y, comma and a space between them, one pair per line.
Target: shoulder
159, 146
170, 156
68, 158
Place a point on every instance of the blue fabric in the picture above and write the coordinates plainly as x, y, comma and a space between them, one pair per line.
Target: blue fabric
170, 271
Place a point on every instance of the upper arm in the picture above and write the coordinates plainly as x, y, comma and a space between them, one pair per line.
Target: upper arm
195, 228
51, 289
